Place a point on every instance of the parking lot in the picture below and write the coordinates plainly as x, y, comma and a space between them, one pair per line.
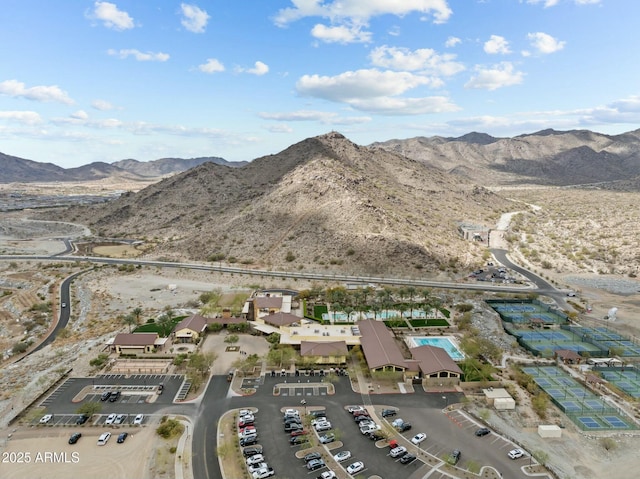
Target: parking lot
445, 432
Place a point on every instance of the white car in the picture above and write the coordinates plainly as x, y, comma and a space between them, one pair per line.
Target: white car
245, 412
104, 438
327, 475
248, 431
256, 467
46, 418
110, 419
120, 418
418, 438
353, 409
320, 420
355, 468
342, 456
398, 451
515, 453
257, 459
397, 422
138, 420
324, 426
370, 429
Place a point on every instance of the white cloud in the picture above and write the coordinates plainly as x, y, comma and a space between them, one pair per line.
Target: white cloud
139, 56
259, 69
496, 44
424, 60
111, 17
102, 105
279, 128
194, 18
626, 110
211, 66
545, 43
452, 42
26, 117
80, 115
359, 84
341, 34
16, 89
314, 115
497, 76
361, 10
405, 106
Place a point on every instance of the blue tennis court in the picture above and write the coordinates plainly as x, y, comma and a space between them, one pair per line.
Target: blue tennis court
580, 404
589, 422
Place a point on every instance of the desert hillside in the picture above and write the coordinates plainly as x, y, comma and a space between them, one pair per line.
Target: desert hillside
323, 203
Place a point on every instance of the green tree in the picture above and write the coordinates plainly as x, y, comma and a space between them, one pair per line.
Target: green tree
231, 339
90, 408
129, 320
201, 362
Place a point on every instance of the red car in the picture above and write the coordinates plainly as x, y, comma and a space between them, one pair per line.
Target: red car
300, 432
360, 413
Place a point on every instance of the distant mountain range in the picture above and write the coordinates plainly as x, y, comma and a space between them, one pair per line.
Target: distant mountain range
19, 170
547, 157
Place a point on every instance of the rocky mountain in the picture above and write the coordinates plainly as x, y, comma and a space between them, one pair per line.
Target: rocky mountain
323, 203
169, 166
20, 170
547, 157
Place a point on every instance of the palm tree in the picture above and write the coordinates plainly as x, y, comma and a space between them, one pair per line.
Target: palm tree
411, 293
129, 320
137, 312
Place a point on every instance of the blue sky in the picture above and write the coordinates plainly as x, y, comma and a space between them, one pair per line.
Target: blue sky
84, 81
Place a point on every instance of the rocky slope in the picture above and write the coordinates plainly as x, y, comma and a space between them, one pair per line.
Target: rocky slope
322, 203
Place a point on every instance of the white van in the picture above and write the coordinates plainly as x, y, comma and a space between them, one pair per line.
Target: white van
104, 438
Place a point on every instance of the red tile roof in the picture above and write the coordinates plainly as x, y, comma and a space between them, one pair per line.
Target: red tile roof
195, 323
432, 359
135, 339
281, 319
379, 346
333, 348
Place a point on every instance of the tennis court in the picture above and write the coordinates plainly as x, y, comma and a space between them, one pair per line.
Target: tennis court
625, 378
525, 312
544, 343
606, 339
579, 403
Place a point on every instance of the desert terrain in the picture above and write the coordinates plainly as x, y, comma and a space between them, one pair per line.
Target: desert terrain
101, 295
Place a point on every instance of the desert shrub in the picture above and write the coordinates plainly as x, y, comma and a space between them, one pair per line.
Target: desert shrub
170, 428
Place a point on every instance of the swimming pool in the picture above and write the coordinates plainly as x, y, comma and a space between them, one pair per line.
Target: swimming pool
448, 343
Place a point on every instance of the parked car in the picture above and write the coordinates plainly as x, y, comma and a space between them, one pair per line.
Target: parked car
407, 458
418, 438
122, 437
317, 414
110, 419
82, 418
326, 426
263, 473
327, 475
104, 438
299, 432
397, 422
311, 456
105, 395
483, 431
327, 438
247, 431
255, 459
251, 451
389, 412
361, 413
293, 426
296, 440
398, 451
245, 412
256, 467
404, 427
355, 468
138, 420
248, 422
366, 422
46, 418
248, 441
342, 456
353, 409
376, 436
362, 418
74, 437
315, 464
120, 418
114, 396
515, 453
454, 457
369, 429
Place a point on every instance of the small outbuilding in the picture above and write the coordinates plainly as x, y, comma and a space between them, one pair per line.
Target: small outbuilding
549, 431
499, 398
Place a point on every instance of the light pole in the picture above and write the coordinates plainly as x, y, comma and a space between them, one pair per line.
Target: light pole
446, 399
